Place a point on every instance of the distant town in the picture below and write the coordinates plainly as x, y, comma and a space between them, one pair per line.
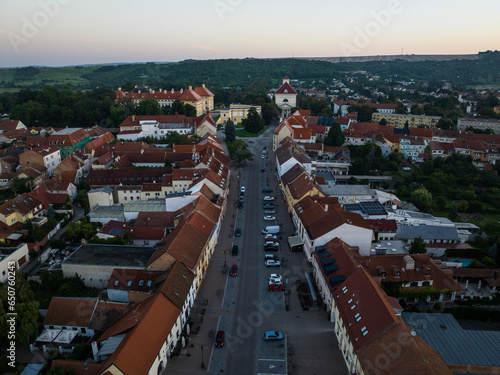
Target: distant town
313, 226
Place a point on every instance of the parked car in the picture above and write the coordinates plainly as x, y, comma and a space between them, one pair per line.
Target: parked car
243, 189
269, 211
268, 198
276, 287
273, 263
271, 239
234, 270
237, 232
234, 250
274, 278
219, 339
271, 246
268, 206
263, 156
240, 205
271, 256
269, 218
273, 335
267, 190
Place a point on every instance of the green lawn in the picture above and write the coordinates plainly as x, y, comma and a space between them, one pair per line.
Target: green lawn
243, 133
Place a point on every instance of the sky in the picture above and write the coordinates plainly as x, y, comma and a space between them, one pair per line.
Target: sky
73, 32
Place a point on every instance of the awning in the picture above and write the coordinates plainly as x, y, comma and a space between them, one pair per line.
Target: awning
48, 335
65, 337
295, 241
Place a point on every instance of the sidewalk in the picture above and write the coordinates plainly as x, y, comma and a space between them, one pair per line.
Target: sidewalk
211, 290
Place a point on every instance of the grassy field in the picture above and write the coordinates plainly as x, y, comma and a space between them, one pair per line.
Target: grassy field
244, 134
47, 77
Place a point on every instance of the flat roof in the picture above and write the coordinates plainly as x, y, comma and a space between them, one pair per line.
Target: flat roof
66, 131
456, 345
111, 255
151, 205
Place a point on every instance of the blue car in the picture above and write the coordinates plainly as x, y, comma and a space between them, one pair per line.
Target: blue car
273, 335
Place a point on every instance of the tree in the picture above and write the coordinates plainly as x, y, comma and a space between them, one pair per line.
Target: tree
230, 132
335, 136
418, 246
383, 121
254, 122
26, 308
270, 113
453, 215
421, 198
239, 152
148, 107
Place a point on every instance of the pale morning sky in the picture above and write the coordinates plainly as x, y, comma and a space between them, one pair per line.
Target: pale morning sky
67, 32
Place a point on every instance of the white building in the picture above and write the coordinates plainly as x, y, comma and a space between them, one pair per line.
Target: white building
286, 98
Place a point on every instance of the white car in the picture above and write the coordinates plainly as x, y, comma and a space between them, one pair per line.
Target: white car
269, 218
273, 263
243, 189
263, 156
271, 256
270, 211
274, 278
268, 198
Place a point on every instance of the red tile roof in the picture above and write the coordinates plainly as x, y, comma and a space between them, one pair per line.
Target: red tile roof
149, 323
78, 367
410, 268
61, 311
383, 224
363, 296
286, 89
414, 355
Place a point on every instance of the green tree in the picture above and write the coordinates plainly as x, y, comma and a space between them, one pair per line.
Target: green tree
270, 113
453, 215
421, 198
254, 122
383, 121
239, 152
148, 107
82, 198
335, 136
230, 132
417, 246
26, 308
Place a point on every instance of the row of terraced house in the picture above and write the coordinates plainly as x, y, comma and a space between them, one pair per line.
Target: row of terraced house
349, 265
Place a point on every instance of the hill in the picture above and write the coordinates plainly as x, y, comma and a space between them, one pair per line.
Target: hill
259, 74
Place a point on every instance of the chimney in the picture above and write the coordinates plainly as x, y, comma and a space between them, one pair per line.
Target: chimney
133, 118
190, 87
326, 207
182, 90
119, 89
172, 91
202, 85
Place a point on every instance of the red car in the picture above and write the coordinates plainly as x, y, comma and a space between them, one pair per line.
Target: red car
219, 339
234, 270
276, 288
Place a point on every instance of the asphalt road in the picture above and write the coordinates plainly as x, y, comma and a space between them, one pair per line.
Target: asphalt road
247, 317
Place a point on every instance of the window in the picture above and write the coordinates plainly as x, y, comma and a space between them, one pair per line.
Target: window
344, 290
129, 283
364, 331
141, 282
149, 283
116, 283
357, 317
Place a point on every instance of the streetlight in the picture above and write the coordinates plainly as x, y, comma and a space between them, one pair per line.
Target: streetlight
202, 359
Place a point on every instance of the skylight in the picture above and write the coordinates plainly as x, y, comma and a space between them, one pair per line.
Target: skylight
344, 290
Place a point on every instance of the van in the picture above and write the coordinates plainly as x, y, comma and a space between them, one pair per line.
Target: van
271, 229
